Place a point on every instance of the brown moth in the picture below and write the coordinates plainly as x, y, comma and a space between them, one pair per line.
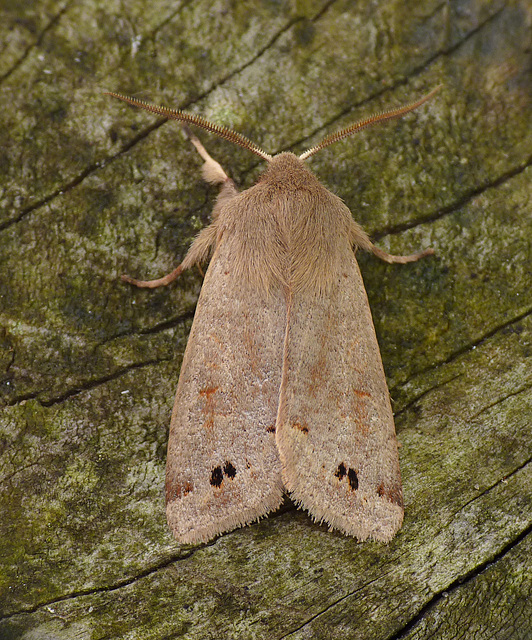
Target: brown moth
282, 386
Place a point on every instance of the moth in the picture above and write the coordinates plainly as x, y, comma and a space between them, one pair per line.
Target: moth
282, 387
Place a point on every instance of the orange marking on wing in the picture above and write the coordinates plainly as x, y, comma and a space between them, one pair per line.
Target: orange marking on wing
394, 494
251, 350
178, 490
300, 426
320, 371
210, 405
359, 409
318, 375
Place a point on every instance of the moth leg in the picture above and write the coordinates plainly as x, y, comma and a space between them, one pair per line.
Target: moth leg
202, 247
360, 239
212, 171
152, 284
388, 257
199, 252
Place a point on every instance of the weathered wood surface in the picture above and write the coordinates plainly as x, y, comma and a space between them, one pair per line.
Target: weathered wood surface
90, 189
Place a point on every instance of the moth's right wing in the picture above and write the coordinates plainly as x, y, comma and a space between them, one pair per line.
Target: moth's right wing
335, 428
223, 468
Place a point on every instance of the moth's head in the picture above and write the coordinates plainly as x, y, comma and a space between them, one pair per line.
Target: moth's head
246, 143
287, 169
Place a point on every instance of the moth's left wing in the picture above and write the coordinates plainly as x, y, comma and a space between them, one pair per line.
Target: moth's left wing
335, 429
223, 468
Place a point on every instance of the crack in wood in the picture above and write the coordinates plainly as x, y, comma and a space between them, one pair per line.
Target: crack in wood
415, 72
455, 355
500, 401
114, 587
459, 582
86, 386
38, 40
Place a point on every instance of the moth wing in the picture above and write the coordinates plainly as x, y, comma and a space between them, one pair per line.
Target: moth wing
223, 467
335, 429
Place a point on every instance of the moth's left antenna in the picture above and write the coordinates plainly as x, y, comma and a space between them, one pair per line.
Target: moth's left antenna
198, 121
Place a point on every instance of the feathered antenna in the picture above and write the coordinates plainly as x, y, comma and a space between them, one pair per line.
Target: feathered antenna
198, 121
367, 122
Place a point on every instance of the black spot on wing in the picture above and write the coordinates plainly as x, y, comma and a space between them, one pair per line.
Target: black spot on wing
229, 470
218, 473
341, 471
352, 478
217, 477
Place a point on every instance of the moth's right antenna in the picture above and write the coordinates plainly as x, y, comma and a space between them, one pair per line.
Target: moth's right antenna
198, 121
367, 122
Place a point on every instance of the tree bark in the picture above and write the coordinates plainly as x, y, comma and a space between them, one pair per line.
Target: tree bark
91, 189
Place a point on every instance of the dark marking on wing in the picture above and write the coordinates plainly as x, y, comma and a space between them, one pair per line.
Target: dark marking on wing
393, 495
217, 477
341, 471
352, 478
218, 473
173, 492
229, 470
300, 426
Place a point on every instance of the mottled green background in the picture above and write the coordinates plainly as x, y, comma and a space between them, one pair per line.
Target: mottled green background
90, 189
